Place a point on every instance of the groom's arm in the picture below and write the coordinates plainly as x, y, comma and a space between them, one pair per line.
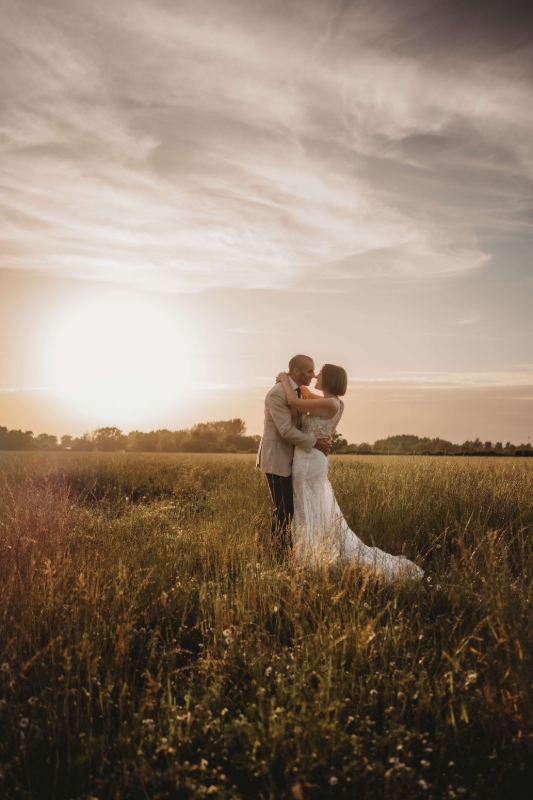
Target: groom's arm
281, 415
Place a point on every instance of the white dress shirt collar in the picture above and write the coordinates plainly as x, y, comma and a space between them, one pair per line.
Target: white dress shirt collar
293, 384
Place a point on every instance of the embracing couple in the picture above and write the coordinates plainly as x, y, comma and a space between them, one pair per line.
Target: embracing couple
307, 522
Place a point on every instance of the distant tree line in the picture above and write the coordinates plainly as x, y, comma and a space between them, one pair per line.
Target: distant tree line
229, 436
226, 436
416, 445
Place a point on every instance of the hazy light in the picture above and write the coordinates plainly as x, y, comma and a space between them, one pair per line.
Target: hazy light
118, 359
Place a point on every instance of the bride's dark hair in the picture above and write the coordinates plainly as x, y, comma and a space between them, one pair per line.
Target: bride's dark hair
334, 379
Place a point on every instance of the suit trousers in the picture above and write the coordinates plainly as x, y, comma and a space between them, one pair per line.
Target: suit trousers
281, 491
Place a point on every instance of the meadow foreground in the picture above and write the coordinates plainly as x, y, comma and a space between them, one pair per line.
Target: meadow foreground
151, 647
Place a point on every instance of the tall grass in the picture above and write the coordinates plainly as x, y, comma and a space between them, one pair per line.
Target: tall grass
150, 646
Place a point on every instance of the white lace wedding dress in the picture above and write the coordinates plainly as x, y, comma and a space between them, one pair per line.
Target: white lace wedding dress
319, 531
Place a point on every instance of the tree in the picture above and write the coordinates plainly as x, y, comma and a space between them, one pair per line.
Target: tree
337, 442
109, 440
172, 441
241, 443
66, 442
46, 441
143, 442
16, 440
83, 443
213, 431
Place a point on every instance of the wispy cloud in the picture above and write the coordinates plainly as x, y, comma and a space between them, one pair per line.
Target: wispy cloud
14, 389
454, 380
220, 144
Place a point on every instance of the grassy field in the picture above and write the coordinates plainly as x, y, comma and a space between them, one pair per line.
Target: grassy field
151, 648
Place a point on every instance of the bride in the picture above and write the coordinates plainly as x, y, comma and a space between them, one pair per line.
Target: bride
319, 530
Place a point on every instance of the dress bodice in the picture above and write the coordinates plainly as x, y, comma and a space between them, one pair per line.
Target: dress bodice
322, 428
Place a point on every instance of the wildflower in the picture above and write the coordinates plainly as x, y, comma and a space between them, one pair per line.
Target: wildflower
471, 678
268, 671
148, 723
33, 700
425, 764
227, 636
373, 692
401, 696
24, 722
333, 781
422, 783
4, 667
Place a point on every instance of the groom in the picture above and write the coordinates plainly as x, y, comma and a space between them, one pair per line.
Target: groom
280, 435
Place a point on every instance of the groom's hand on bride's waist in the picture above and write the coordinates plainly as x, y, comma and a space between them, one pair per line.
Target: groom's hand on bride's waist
323, 445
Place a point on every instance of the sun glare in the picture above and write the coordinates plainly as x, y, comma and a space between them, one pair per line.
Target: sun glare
118, 359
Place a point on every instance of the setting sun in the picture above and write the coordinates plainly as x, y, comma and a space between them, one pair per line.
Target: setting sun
118, 357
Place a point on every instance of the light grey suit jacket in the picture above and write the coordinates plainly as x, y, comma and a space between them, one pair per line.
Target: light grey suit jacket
280, 434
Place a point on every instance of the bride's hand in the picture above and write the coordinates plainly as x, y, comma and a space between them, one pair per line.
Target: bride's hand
280, 377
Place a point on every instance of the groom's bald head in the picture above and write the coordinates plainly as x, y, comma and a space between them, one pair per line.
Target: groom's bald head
302, 370
297, 362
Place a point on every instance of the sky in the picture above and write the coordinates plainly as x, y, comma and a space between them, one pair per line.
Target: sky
193, 192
